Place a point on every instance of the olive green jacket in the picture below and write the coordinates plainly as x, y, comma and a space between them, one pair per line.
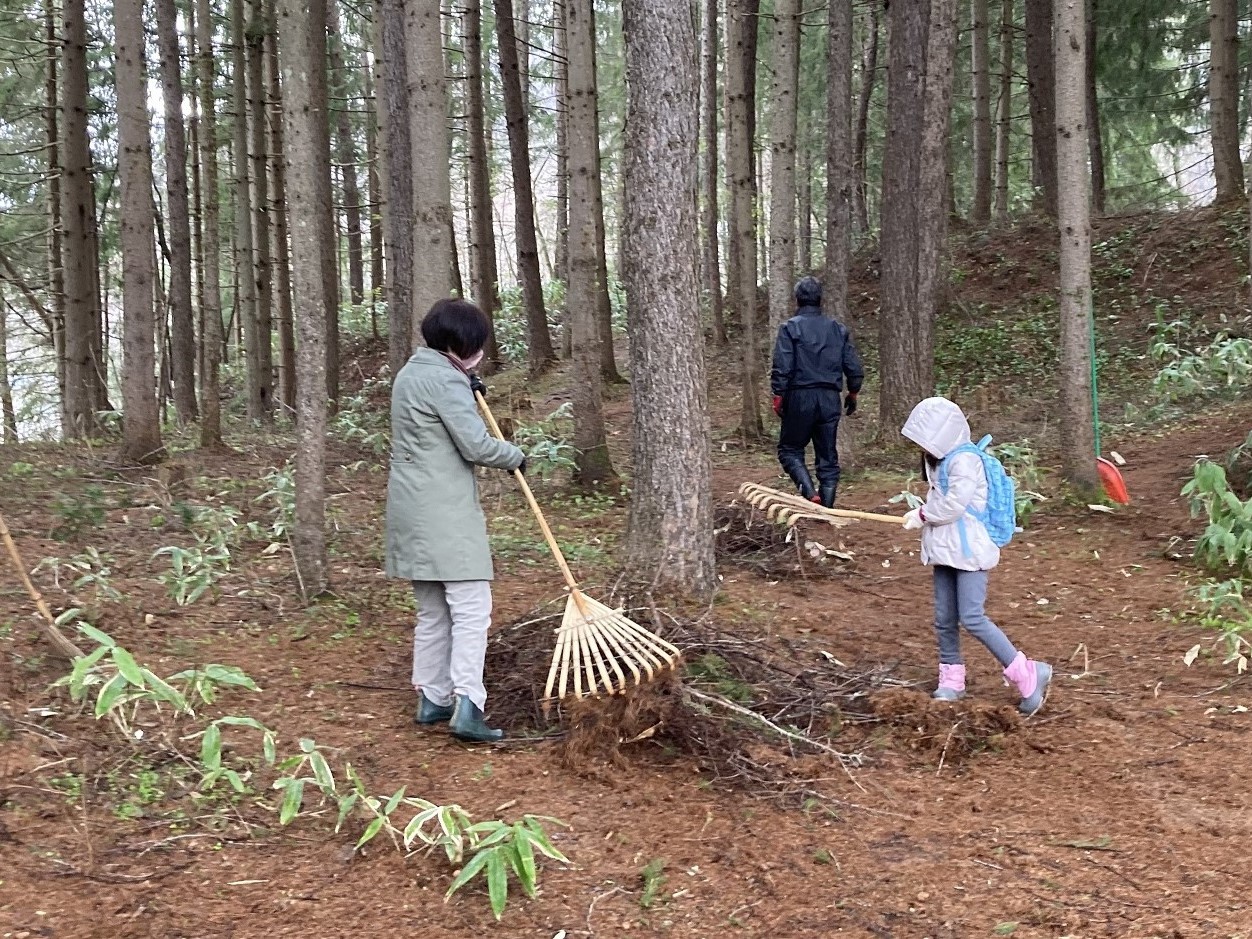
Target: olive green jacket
435, 526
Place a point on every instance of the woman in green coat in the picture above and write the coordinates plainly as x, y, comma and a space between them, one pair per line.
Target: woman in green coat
436, 532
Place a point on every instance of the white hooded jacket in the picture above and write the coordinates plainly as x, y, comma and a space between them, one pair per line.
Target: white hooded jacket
938, 426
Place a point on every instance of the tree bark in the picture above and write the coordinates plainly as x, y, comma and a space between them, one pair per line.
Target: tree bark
562, 157
804, 208
302, 54
869, 76
1041, 84
282, 239
593, 463
397, 178
919, 89
7, 411
83, 368
56, 260
432, 184
212, 340
245, 257
784, 109
841, 177
1078, 444
708, 176
1004, 111
1224, 98
258, 126
670, 542
1095, 136
539, 341
317, 72
741, 41
346, 155
141, 427
981, 61
604, 302
378, 292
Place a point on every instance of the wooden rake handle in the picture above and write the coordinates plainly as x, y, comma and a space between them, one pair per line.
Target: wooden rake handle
530, 498
63, 645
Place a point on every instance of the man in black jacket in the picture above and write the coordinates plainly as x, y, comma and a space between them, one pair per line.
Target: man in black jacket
812, 357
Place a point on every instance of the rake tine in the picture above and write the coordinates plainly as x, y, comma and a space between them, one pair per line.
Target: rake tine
596, 645
616, 653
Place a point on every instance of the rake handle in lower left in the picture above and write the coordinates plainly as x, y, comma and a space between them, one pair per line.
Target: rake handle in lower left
49, 626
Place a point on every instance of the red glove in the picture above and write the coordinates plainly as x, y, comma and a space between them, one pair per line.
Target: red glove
778, 405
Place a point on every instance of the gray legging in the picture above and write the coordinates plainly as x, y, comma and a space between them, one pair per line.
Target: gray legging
959, 600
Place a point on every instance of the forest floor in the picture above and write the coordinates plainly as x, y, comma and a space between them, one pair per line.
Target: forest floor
1121, 810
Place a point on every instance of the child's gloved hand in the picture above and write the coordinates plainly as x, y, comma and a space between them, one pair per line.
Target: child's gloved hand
914, 520
778, 405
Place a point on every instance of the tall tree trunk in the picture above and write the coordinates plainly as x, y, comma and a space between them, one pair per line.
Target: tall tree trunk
326, 202
183, 324
302, 57
593, 463
670, 543
397, 178
784, 109
7, 411
604, 303
56, 269
83, 368
539, 340
804, 210
1004, 110
1041, 83
869, 76
1224, 98
981, 60
141, 427
741, 40
258, 126
562, 150
212, 339
378, 292
1078, 443
708, 174
245, 257
1093, 114
919, 90
841, 177
282, 240
432, 184
483, 269
346, 155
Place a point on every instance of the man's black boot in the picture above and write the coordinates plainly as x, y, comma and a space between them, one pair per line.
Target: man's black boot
828, 494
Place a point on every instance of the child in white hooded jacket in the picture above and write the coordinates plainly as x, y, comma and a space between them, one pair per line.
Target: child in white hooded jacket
956, 544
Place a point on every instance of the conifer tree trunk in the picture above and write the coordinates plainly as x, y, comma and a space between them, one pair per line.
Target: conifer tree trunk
83, 368
245, 258
56, 259
1094, 134
593, 463
869, 77
741, 41
302, 55
258, 127
1004, 110
346, 155
326, 204
9, 425
604, 303
1041, 82
919, 89
374, 195
804, 210
561, 71
981, 58
1077, 426
432, 184
282, 239
783, 114
840, 175
709, 170
182, 321
539, 340
483, 268
670, 542
141, 427
397, 179
1224, 98
212, 339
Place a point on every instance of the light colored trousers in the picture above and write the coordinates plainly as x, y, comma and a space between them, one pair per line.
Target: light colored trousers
959, 600
450, 639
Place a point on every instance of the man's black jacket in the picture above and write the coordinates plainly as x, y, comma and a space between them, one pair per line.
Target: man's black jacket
815, 351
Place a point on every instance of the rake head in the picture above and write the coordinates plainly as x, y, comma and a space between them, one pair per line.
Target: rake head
600, 650
786, 508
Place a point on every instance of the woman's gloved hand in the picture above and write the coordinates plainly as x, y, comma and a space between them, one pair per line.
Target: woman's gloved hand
914, 520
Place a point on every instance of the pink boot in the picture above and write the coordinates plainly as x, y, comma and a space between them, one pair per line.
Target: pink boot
951, 683
1032, 680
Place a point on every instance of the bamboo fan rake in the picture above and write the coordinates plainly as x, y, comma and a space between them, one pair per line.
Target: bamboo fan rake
599, 650
788, 508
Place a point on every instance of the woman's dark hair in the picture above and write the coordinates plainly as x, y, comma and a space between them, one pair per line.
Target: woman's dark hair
456, 326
